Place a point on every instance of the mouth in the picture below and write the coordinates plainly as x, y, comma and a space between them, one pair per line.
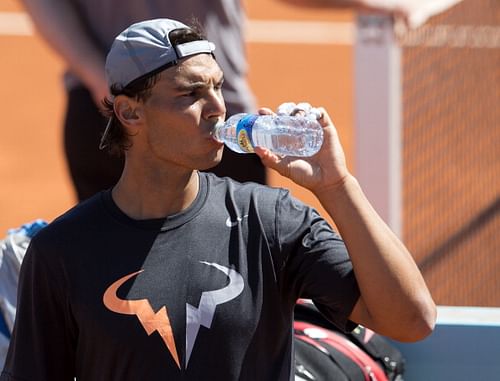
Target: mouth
213, 131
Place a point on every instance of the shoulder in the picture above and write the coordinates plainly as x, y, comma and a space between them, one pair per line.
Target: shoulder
73, 222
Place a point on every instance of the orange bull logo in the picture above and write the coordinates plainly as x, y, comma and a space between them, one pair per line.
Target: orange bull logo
159, 321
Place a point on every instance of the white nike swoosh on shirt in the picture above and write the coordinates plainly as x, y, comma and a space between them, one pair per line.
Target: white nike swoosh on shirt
231, 224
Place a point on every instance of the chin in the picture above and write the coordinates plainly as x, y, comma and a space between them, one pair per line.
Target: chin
211, 161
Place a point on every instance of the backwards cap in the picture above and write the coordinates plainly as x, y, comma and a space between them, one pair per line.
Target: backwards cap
145, 47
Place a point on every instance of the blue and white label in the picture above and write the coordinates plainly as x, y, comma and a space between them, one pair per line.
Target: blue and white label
244, 132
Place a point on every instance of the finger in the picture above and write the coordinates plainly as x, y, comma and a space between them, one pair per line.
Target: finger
323, 117
278, 163
302, 108
268, 158
265, 111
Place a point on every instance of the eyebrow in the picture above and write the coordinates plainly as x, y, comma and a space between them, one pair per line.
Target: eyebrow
196, 85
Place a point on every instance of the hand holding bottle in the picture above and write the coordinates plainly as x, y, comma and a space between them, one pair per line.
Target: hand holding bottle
293, 131
320, 172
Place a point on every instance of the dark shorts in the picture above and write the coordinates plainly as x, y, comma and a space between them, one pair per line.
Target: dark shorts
92, 170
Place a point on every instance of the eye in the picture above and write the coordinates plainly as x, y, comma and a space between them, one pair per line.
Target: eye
218, 86
189, 94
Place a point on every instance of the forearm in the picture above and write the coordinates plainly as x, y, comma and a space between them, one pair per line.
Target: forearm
393, 291
59, 24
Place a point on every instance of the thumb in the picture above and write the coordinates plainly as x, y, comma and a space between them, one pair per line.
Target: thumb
273, 161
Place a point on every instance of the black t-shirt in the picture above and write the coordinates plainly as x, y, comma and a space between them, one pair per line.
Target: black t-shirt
206, 294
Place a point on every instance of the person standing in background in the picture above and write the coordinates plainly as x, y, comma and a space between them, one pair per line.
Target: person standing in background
81, 32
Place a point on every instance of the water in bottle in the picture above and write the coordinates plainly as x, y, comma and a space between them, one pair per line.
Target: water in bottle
284, 135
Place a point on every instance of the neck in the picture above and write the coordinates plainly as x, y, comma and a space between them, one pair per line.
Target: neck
155, 195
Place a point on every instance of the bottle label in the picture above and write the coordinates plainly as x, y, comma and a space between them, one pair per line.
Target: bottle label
244, 132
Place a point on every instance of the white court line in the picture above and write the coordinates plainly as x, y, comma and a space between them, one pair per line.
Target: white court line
300, 32
257, 31
15, 24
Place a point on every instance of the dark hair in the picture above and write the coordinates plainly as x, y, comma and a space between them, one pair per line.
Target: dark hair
115, 137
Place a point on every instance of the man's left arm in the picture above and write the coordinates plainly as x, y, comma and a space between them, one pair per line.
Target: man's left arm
394, 298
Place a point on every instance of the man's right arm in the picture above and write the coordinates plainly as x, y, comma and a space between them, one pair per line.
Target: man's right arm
42, 344
59, 23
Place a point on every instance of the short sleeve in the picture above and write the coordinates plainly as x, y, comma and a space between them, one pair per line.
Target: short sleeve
41, 344
318, 266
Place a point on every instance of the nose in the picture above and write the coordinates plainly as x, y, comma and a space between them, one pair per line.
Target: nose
215, 107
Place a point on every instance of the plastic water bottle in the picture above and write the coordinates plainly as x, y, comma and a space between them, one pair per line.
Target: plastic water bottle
284, 135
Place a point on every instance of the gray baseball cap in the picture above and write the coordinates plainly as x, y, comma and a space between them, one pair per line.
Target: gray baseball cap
145, 47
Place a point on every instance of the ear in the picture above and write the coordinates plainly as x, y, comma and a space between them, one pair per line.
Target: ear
127, 110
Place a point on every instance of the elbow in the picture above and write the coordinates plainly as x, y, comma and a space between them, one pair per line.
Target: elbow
422, 322
421, 329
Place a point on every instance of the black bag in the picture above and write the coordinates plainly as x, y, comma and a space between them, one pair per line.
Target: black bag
325, 353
